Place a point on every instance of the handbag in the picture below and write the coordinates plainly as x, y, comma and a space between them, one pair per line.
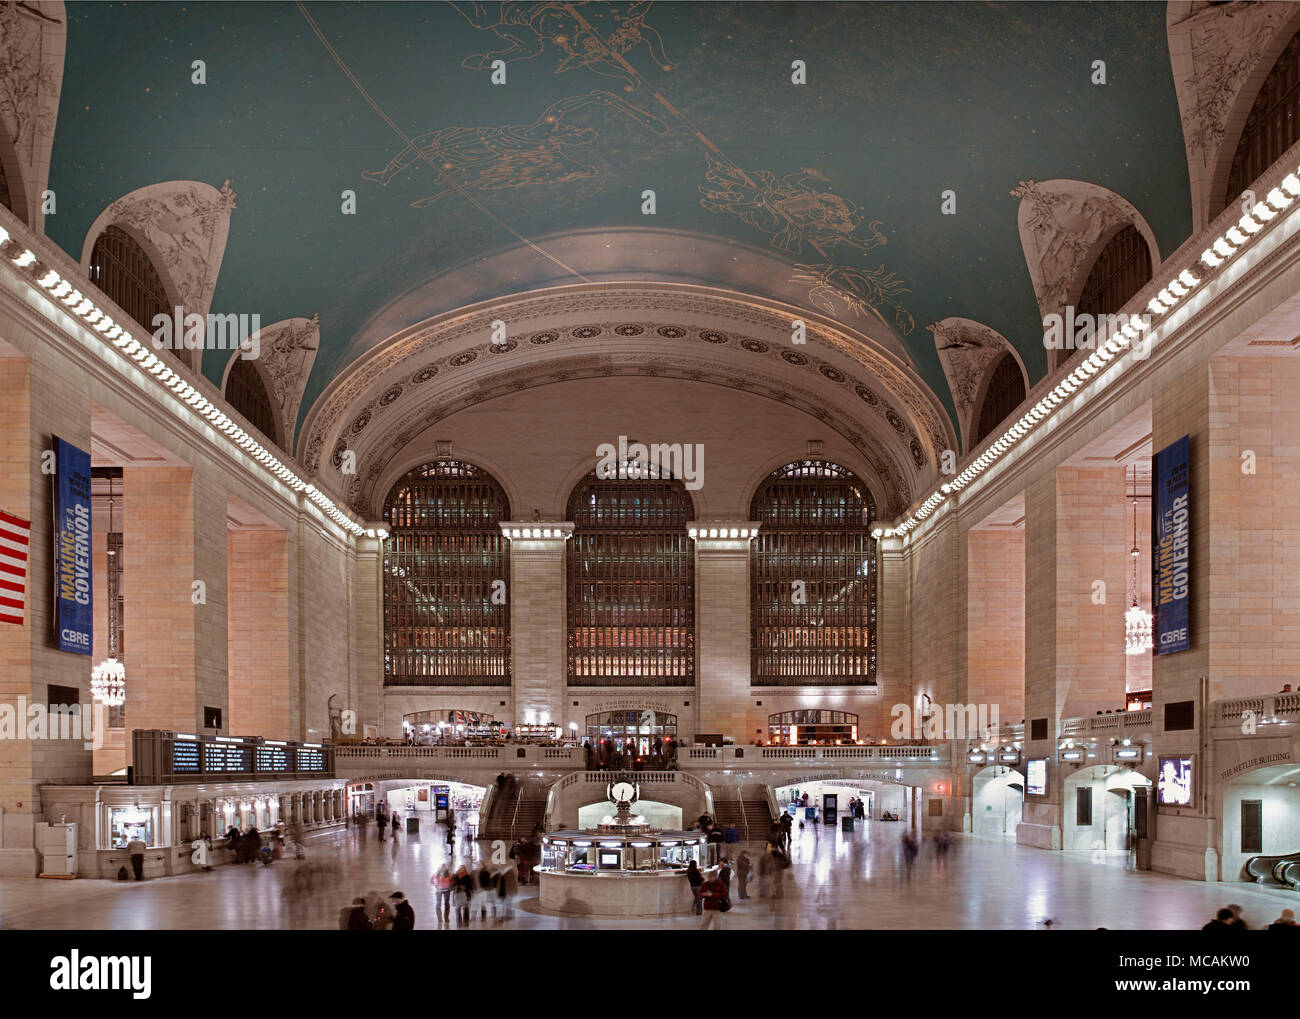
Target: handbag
724, 905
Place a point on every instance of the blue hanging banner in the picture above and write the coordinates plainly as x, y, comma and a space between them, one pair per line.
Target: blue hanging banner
1171, 547
73, 608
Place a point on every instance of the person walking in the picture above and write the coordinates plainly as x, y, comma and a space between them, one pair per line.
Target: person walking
909, 854
396, 824
713, 894
442, 882
1285, 922
744, 867
484, 890
461, 893
1222, 922
357, 919
403, 914
135, 850
696, 881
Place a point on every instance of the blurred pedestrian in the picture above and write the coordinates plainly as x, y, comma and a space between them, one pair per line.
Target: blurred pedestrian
713, 896
403, 914
744, 867
696, 880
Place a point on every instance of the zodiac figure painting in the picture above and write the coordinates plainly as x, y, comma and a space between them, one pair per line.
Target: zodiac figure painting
493, 158
530, 27
862, 291
787, 208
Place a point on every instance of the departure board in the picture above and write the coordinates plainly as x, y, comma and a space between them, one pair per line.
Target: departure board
226, 757
311, 759
272, 758
185, 757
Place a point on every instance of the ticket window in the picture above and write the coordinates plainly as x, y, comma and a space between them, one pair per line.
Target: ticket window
581, 858
127, 824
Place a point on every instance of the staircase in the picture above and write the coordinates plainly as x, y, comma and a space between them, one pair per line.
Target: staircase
731, 811
501, 812
530, 812
758, 817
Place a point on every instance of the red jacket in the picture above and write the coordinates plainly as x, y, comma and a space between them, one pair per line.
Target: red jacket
713, 892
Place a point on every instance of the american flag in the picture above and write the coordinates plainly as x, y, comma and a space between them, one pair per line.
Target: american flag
14, 538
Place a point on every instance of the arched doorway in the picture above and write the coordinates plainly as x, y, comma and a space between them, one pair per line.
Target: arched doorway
1098, 808
628, 735
1261, 817
997, 801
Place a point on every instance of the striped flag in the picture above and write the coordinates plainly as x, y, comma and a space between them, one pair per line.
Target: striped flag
15, 535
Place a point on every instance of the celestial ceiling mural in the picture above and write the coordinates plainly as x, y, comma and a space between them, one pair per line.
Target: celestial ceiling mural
838, 180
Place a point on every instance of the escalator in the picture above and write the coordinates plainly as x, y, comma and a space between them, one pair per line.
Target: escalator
1283, 870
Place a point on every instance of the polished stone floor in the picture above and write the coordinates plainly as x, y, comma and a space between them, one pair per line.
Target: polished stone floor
841, 880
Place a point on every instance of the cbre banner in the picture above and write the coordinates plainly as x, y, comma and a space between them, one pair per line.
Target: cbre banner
73, 612
1171, 538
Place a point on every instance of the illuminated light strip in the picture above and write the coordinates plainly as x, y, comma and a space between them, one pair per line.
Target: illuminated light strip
1233, 240
99, 321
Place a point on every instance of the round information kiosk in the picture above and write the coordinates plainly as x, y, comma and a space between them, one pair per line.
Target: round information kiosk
623, 867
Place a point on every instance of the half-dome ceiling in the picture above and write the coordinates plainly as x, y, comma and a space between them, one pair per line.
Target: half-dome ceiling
826, 196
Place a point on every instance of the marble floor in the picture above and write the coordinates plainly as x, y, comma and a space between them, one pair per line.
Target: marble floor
839, 880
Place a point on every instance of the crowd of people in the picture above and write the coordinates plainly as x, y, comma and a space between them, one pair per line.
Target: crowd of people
1229, 918
606, 755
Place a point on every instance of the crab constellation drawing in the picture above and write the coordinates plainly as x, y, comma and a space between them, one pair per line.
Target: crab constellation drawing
513, 156
530, 28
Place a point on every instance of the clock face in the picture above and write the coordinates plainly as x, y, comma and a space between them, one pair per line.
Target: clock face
623, 791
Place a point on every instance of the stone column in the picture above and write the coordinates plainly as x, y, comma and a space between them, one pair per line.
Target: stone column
365, 696
538, 620
174, 538
722, 652
35, 404
258, 636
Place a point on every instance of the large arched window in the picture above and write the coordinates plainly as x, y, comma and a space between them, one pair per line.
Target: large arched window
1005, 392
1272, 126
1121, 270
121, 269
813, 598
631, 584
247, 394
446, 618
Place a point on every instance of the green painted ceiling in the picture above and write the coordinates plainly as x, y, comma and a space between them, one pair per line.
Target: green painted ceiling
902, 102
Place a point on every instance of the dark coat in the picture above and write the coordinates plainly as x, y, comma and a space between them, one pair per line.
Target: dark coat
404, 917
358, 921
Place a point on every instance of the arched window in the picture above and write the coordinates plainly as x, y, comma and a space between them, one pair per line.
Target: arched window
631, 584
813, 595
247, 394
1121, 270
446, 618
121, 269
1006, 391
1272, 126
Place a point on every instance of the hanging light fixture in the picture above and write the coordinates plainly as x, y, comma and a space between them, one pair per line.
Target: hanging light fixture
108, 678
1137, 620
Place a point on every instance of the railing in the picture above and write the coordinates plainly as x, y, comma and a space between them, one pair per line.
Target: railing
702, 753
1268, 707
1120, 721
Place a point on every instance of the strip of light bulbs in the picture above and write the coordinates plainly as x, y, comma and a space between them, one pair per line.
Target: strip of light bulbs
97, 319
1233, 240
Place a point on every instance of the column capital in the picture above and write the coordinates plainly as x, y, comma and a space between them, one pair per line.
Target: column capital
537, 530
723, 530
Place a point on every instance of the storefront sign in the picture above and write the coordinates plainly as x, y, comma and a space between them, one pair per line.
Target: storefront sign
1171, 545
73, 611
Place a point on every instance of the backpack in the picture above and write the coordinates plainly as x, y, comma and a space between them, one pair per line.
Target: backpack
724, 905
122, 875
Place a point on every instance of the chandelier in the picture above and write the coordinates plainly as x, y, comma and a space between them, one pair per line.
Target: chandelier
108, 678
1137, 620
108, 683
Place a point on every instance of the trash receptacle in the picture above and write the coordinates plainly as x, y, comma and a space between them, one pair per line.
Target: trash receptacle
846, 824
413, 826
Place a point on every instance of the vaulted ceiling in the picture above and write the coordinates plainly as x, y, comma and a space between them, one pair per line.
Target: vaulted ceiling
823, 199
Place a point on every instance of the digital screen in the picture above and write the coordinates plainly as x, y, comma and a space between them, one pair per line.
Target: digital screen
226, 757
311, 759
272, 758
609, 859
185, 757
1174, 786
1036, 777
